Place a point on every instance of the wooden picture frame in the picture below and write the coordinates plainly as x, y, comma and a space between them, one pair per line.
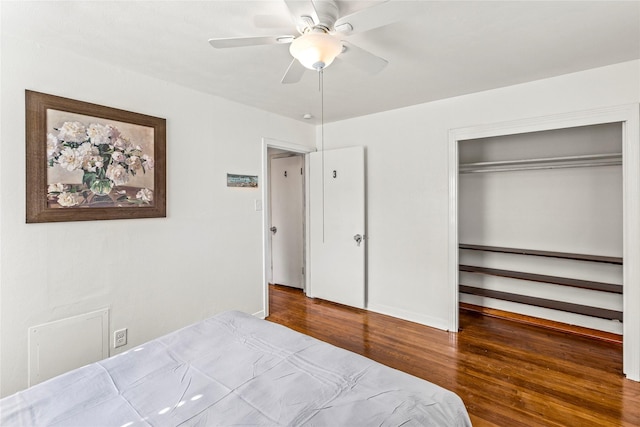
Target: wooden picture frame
90, 162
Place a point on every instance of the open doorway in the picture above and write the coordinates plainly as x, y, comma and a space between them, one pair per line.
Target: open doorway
286, 201
292, 231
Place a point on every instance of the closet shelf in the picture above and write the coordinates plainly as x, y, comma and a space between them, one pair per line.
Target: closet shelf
574, 283
550, 254
602, 313
562, 281
589, 160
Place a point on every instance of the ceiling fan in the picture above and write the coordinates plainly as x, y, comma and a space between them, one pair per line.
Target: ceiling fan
321, 30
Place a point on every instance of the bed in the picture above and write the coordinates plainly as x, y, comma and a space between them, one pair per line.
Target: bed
234, 369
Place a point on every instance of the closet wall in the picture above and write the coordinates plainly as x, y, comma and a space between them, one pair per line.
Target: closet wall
554, 191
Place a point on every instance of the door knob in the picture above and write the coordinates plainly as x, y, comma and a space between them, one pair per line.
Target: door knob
274, 229
358, 238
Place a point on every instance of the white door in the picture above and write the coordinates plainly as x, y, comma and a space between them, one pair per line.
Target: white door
286, 221
337, 218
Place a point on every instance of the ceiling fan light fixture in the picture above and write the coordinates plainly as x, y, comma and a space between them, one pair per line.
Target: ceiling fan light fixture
315, 50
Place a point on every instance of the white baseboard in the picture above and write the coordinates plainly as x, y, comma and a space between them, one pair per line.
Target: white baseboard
259, 314
409, 315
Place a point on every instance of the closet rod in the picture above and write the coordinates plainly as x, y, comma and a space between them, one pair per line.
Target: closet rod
547, 159
589, 160
527, 168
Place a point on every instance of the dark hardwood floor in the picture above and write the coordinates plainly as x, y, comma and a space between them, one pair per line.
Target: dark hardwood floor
507, 373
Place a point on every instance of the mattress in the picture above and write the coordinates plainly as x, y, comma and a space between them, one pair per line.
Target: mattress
234, 369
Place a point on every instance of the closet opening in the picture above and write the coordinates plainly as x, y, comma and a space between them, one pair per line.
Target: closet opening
623, 120
540, 228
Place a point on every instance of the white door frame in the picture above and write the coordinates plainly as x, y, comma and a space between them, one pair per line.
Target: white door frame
629, 116
266, 211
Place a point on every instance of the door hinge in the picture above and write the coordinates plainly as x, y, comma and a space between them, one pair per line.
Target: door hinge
303, 270
300, 171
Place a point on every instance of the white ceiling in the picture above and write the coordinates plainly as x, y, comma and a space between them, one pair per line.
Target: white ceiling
439, 50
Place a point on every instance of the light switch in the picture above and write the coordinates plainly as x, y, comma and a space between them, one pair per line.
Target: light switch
258, 204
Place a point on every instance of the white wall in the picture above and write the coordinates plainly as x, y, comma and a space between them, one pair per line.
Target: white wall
407, 177
155, 275
576, 210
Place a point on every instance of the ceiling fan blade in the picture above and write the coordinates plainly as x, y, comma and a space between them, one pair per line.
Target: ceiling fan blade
300, 9
363, 59
249, 41
371, 17
294, 72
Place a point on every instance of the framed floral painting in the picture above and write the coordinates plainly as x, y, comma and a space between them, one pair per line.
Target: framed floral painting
90, 162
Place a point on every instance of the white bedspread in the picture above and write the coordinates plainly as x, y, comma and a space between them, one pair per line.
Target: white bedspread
234, 369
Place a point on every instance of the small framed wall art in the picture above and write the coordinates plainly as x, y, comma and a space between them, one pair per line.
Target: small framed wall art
91, 162
246, 181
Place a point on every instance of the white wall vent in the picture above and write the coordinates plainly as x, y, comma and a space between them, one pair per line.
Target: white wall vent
63, 345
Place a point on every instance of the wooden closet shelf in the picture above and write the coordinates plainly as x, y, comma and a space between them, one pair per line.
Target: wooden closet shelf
576, 283
602, 313
550, 254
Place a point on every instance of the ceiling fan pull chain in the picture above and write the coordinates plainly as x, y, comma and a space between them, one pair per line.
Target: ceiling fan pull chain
321, 88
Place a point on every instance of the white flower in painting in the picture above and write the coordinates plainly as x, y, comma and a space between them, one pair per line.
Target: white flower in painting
70, 159
145, 195
55, 188
67, 199
117, 156
118, 174
89, 155
114, 133
134, 163
121, 144
87, 150
147, 162
99, 134
72, 132
53, 146
92, 163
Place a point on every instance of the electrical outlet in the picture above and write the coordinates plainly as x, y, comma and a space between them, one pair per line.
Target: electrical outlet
120, 338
